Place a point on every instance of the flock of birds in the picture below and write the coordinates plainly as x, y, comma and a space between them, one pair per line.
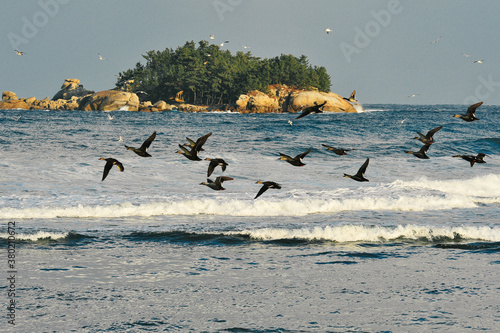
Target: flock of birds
192, 148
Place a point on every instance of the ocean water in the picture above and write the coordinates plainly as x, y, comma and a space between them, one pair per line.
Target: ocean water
415, 249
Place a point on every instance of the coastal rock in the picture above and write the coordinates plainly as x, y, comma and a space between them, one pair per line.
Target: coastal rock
192, 108
334, 103
8, 96
71, 88
257, 102
17, 104
110, 100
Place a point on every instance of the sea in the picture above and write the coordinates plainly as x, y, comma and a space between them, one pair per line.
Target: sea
150, 249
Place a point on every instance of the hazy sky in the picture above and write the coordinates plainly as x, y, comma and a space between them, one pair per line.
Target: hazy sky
383, 49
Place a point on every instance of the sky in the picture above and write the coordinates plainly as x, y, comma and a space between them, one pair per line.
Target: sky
389, 51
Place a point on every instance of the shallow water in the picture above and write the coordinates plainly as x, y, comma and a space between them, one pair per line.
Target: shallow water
149, 249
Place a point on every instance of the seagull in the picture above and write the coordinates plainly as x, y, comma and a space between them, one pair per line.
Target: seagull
360, 175
217, 184
466, 55
245, 47
312, 109
101, 57
290, 122
15, 118
19, 52
110, 117
178, 97
109, 164
266, 185
120, 139
222, 44
414, 95
436, 40
214, 162
328, 30
479, 61
471, 113
142, 150
421, 153
193, 153
297, 160
212, 37
428, 138
473, 159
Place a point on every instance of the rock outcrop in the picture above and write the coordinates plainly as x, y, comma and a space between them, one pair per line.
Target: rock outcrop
282, 98
10, 101
71, 88
110, 100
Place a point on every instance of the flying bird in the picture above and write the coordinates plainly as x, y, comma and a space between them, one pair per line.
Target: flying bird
316, 108
212, 37
436, 40
142, 150
222, 44
414, 95
178, 97
215, 162
479, 158
471, 113
297, 160
110, 117
478, 61
193, 153
337, 151
100, 56
428, 138
266, 185
351, 98
466, 55
360, 175
421, 153
19, 52
217, 184
109, 164
328, 30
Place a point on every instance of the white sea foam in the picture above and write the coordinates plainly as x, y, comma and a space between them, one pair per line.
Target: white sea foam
358, 233
36, 236
487, 186
286, 207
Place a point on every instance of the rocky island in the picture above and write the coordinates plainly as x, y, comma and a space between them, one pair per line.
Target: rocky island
278, 98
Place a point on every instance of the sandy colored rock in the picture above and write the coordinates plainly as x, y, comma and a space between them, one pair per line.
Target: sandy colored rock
71, 88
8, 96
15, 104
257, 102
334, 102
110, 100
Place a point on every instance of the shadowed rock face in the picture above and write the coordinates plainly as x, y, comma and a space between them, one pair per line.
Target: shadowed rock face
71, 88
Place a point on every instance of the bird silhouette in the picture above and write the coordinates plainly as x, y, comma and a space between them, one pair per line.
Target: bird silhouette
109, 164
142, 150
360, 175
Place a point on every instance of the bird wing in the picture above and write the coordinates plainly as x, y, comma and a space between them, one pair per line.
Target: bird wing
285, 157
472, 109
191, 142
184, 150
148, 141
223, 165
262, 190
327, 146
304, 113
222, 179
301, 156
424, 148
107, 167
119, 165
211, 167
431, 133
362, 170
201, 141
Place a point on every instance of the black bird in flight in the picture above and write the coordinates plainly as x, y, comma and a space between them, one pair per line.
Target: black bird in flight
266, 185
360, 175
109, 164
142, 150
471, 113
316, 108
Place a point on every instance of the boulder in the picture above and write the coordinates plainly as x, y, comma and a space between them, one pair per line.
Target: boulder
257, 102
110, 100
16, 104
71, 88
8, 96
297, 101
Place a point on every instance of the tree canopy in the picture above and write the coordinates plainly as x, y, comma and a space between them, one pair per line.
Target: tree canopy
208, 75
